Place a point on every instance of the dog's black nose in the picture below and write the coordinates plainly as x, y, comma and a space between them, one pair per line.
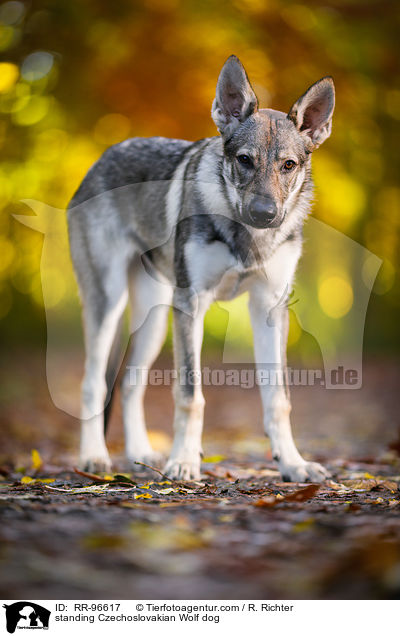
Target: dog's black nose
262, 211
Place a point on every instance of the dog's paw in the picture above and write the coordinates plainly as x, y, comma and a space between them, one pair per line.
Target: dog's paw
306, 471
95, 464
185, 469
151, 458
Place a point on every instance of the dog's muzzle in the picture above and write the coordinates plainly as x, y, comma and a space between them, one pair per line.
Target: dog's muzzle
262, 213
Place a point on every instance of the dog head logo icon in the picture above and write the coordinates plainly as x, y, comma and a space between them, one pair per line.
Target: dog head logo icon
26, 615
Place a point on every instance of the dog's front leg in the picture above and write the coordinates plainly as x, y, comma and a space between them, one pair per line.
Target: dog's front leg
269, 320
184, 460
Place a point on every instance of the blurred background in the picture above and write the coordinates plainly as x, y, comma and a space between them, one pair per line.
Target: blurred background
76, 77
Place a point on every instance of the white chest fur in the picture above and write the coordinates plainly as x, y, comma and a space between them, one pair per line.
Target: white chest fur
212, 266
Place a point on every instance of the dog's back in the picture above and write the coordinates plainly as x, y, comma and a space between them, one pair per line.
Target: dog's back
121, 206
130, 162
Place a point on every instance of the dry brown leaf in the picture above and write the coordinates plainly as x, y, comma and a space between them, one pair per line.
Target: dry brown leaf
267, 502
389, 485
298, 495
361, 485
107, 479
91, 476
303, 493
365, 485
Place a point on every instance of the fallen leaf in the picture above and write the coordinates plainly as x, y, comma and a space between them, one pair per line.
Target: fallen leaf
336, 486
100, 488
360, 485
303, 493
27, 480
389, 485
266, 502
31, 480
107, 479
36, 460
369, 483
92, 476
124, 479
299, 495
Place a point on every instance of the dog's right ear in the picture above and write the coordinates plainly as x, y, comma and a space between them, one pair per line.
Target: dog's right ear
235, 99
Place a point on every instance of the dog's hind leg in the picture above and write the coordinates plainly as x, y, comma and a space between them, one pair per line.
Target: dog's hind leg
150, 302
102, 314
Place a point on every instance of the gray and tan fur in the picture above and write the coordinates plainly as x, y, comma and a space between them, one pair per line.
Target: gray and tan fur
163, 222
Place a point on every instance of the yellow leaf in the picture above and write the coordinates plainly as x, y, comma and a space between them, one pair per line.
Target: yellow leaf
36, 460
27, 480
144, 496
30, 480
213, 459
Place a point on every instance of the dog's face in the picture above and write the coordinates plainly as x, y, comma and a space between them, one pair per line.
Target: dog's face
266, 152
267, 160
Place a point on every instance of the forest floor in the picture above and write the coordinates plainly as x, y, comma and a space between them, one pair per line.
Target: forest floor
238, 533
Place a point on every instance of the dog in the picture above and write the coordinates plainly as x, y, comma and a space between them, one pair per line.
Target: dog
165, 222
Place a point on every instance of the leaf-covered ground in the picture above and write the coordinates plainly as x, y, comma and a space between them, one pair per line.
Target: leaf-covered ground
238, 533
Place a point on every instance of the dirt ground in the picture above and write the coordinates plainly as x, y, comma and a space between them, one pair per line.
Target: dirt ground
237, 533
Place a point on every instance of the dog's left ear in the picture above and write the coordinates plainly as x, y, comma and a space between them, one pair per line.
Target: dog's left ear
235, 99
312, 113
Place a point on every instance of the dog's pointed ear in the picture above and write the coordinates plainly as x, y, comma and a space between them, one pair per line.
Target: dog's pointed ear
312, 113
235, 99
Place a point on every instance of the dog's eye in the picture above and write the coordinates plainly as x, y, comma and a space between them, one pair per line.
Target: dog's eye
289, 165
244, 160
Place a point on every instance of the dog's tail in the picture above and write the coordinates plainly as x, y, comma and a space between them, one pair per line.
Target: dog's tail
113, 367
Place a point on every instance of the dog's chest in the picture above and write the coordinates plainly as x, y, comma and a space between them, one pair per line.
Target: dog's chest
233, 283
213, 267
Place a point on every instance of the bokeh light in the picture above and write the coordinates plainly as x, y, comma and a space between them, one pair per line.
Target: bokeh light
335, 296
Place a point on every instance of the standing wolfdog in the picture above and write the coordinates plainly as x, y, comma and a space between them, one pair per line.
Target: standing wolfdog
167, 222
